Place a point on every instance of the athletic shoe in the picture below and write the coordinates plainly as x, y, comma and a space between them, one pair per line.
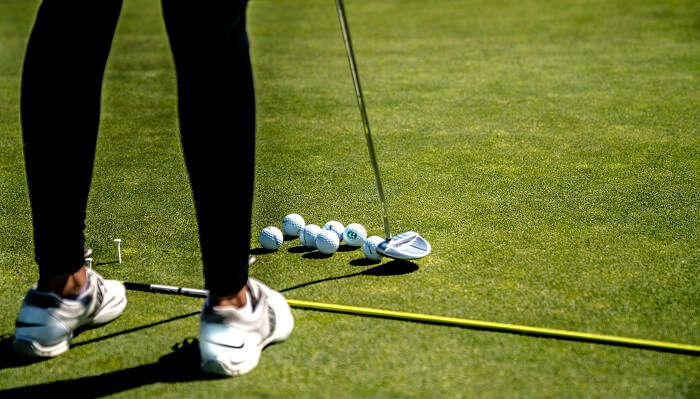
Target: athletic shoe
87, 252
231, 340
46, 321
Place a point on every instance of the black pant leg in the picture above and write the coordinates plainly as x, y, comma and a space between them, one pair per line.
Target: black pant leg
216, 105
60, 108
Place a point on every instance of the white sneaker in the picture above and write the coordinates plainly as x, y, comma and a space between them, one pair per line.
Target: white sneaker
231, 340
46, 321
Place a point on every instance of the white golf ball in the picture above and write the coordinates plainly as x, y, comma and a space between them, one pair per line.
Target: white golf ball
327, 241
336, 227
354, 235
292, 224
369, 248
270, 237
307, 235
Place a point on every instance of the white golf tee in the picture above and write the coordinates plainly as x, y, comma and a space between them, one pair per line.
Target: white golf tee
118, 243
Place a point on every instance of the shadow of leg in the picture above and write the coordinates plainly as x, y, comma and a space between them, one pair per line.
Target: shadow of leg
9, 358
181, 365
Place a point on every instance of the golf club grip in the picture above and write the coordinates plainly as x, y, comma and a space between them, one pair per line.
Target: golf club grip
166, 289
363, 112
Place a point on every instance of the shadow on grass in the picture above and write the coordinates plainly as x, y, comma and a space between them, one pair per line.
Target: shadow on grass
106, 263
316, 255
261, 251
181, 365
347, 248
299, 249
130, 330
393, 268
10, 359
364, 262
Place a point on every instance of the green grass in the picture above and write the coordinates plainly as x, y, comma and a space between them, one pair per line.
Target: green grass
550, 151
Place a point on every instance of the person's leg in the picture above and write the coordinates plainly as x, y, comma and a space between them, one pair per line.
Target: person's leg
60, 106
217, 126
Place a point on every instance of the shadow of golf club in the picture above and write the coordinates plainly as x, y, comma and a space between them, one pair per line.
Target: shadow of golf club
106, 263
181, 365
393, 268
130, 330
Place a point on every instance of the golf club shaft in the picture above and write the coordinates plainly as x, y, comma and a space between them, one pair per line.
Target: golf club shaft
365, 121
450, 321
172, 290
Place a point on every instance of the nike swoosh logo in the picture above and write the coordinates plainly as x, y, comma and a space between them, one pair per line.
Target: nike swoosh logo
228, 346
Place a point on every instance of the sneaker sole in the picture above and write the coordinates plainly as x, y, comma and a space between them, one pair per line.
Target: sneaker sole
218, 368
222, 369
283, 329
35, 349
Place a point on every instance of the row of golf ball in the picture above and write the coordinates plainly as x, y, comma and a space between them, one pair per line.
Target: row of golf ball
326, 239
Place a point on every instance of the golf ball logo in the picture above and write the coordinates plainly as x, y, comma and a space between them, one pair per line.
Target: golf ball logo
354, 235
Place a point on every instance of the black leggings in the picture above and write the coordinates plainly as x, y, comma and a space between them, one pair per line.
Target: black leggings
60, 106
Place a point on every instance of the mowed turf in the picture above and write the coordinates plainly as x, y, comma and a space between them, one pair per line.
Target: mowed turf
550, 151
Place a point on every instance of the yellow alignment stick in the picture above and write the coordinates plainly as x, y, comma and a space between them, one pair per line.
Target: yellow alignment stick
450, 321
511, 328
